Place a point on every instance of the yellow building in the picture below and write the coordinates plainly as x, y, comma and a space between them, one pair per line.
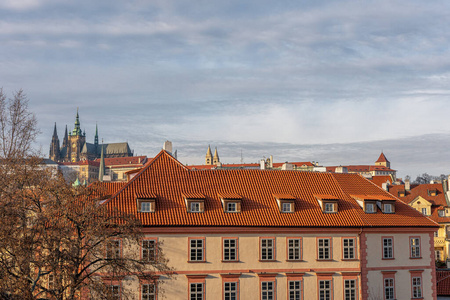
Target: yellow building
272, 234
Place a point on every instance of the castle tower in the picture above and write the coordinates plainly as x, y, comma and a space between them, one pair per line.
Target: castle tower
216, 159
66, 139
76, 141
55, 153
382, 161
208, 157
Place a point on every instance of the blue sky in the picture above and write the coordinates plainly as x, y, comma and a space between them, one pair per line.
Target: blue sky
329, 81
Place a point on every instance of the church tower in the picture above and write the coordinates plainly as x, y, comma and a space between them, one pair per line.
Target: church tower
216, 159
55, 153
383, 161
208, 157
76, 141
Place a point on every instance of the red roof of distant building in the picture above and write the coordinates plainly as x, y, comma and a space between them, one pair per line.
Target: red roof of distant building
124, 161
443, 282
169, 180
382, 158
380, 179
81, 163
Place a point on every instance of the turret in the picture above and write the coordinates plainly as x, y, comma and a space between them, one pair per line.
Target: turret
216, 159
208, 157
66, 139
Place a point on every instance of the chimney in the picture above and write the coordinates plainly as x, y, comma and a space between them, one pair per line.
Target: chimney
168, 146
287, 166
407, 185
271, 162
262, 164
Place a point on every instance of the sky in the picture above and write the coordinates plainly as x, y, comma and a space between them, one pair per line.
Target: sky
330, 81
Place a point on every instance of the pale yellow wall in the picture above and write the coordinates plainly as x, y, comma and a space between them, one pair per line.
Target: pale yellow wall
422, 204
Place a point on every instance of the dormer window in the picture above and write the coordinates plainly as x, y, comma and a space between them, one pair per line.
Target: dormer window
401, 193
441, 213
146, 205
369, 207
231, 202
328, 203
432, 192
195, 203
388, 208
285, 202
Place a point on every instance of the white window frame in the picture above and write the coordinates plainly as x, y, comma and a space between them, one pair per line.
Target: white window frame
424, 211
148, 291
230, 290
323, 248
350, 289
329, 207
387, 208
348, 248
325, 292
295, 289
196, 291
286, 207
267, 246
195, 207
196, 250
146, 206
294, 248
415, 247
371, 206
231, 207
441, 213
149, 250
230, 251
388, 248
268, 290
113, 249
416, 282
389, 288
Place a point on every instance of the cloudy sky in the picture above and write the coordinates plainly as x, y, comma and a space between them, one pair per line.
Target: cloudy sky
330, 81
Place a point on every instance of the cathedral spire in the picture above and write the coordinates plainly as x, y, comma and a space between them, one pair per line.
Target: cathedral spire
55, 134
208, 157
54, 153
77, 129
96, 136
66, 139
216, 157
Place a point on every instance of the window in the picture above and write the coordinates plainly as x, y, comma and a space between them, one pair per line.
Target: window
388, 208
51, 282
294, 249
286, 207
417, 287
267, 249
295, 290
415, 247
438, 255
196, 250
196, 291
424, 211
231, 207
195, 207
148, 292
370, 208
348, 248
350, 289
114, 292
230, 290
230, 249
388, 248
329, 207
267, 290
324, 289
148, 250
113, 249
389, 291
324, 249
436, 234
441, 213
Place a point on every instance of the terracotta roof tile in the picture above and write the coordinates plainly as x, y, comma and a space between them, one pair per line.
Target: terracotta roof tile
380, 179
382, 158
165, 177
443, 282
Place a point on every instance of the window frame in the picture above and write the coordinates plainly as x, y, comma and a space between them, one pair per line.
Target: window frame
353, 247
155, 250
115, 249
272, 248
111, 288
230, 278
154, 294
383, 247
295, 248
195, 207
415, 251
323, 248
273, 290
236, 290
231, 204
196, 249
236, 249
295, 296
325, 290
355, 288
389, 276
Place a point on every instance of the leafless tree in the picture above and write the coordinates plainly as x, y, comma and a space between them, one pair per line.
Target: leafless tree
56, 242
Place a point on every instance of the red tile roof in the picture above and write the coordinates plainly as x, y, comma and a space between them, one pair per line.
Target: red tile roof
170, 180
243, 166
380, 179
443, 282
124, 161
81, 163
382, 158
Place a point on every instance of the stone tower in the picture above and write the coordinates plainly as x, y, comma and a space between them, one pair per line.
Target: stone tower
76, 141
216, 159
383, 161
208, 157
55, 153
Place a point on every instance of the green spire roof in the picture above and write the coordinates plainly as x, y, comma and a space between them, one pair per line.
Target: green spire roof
77, 129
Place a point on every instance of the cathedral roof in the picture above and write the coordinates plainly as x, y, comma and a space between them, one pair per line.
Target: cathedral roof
112, 148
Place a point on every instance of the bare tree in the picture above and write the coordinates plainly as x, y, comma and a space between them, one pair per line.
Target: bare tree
57, 242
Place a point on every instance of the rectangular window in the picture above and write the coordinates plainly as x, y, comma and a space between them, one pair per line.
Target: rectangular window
295, 290
370, 208
438, 257
324, 289
196, 291
324, 249
148, 250
441, 213
294, 249
230, 249
388, 248
267, 249
348, 250
195, 206
113, 249
389, 291
231, 207
424, 211
148, 292
388, 208
196, 250
267, 290
415, 247
350, 289
286, 207
417, 287
114, 291
51, 282
146, 207
329, 207
230, 290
